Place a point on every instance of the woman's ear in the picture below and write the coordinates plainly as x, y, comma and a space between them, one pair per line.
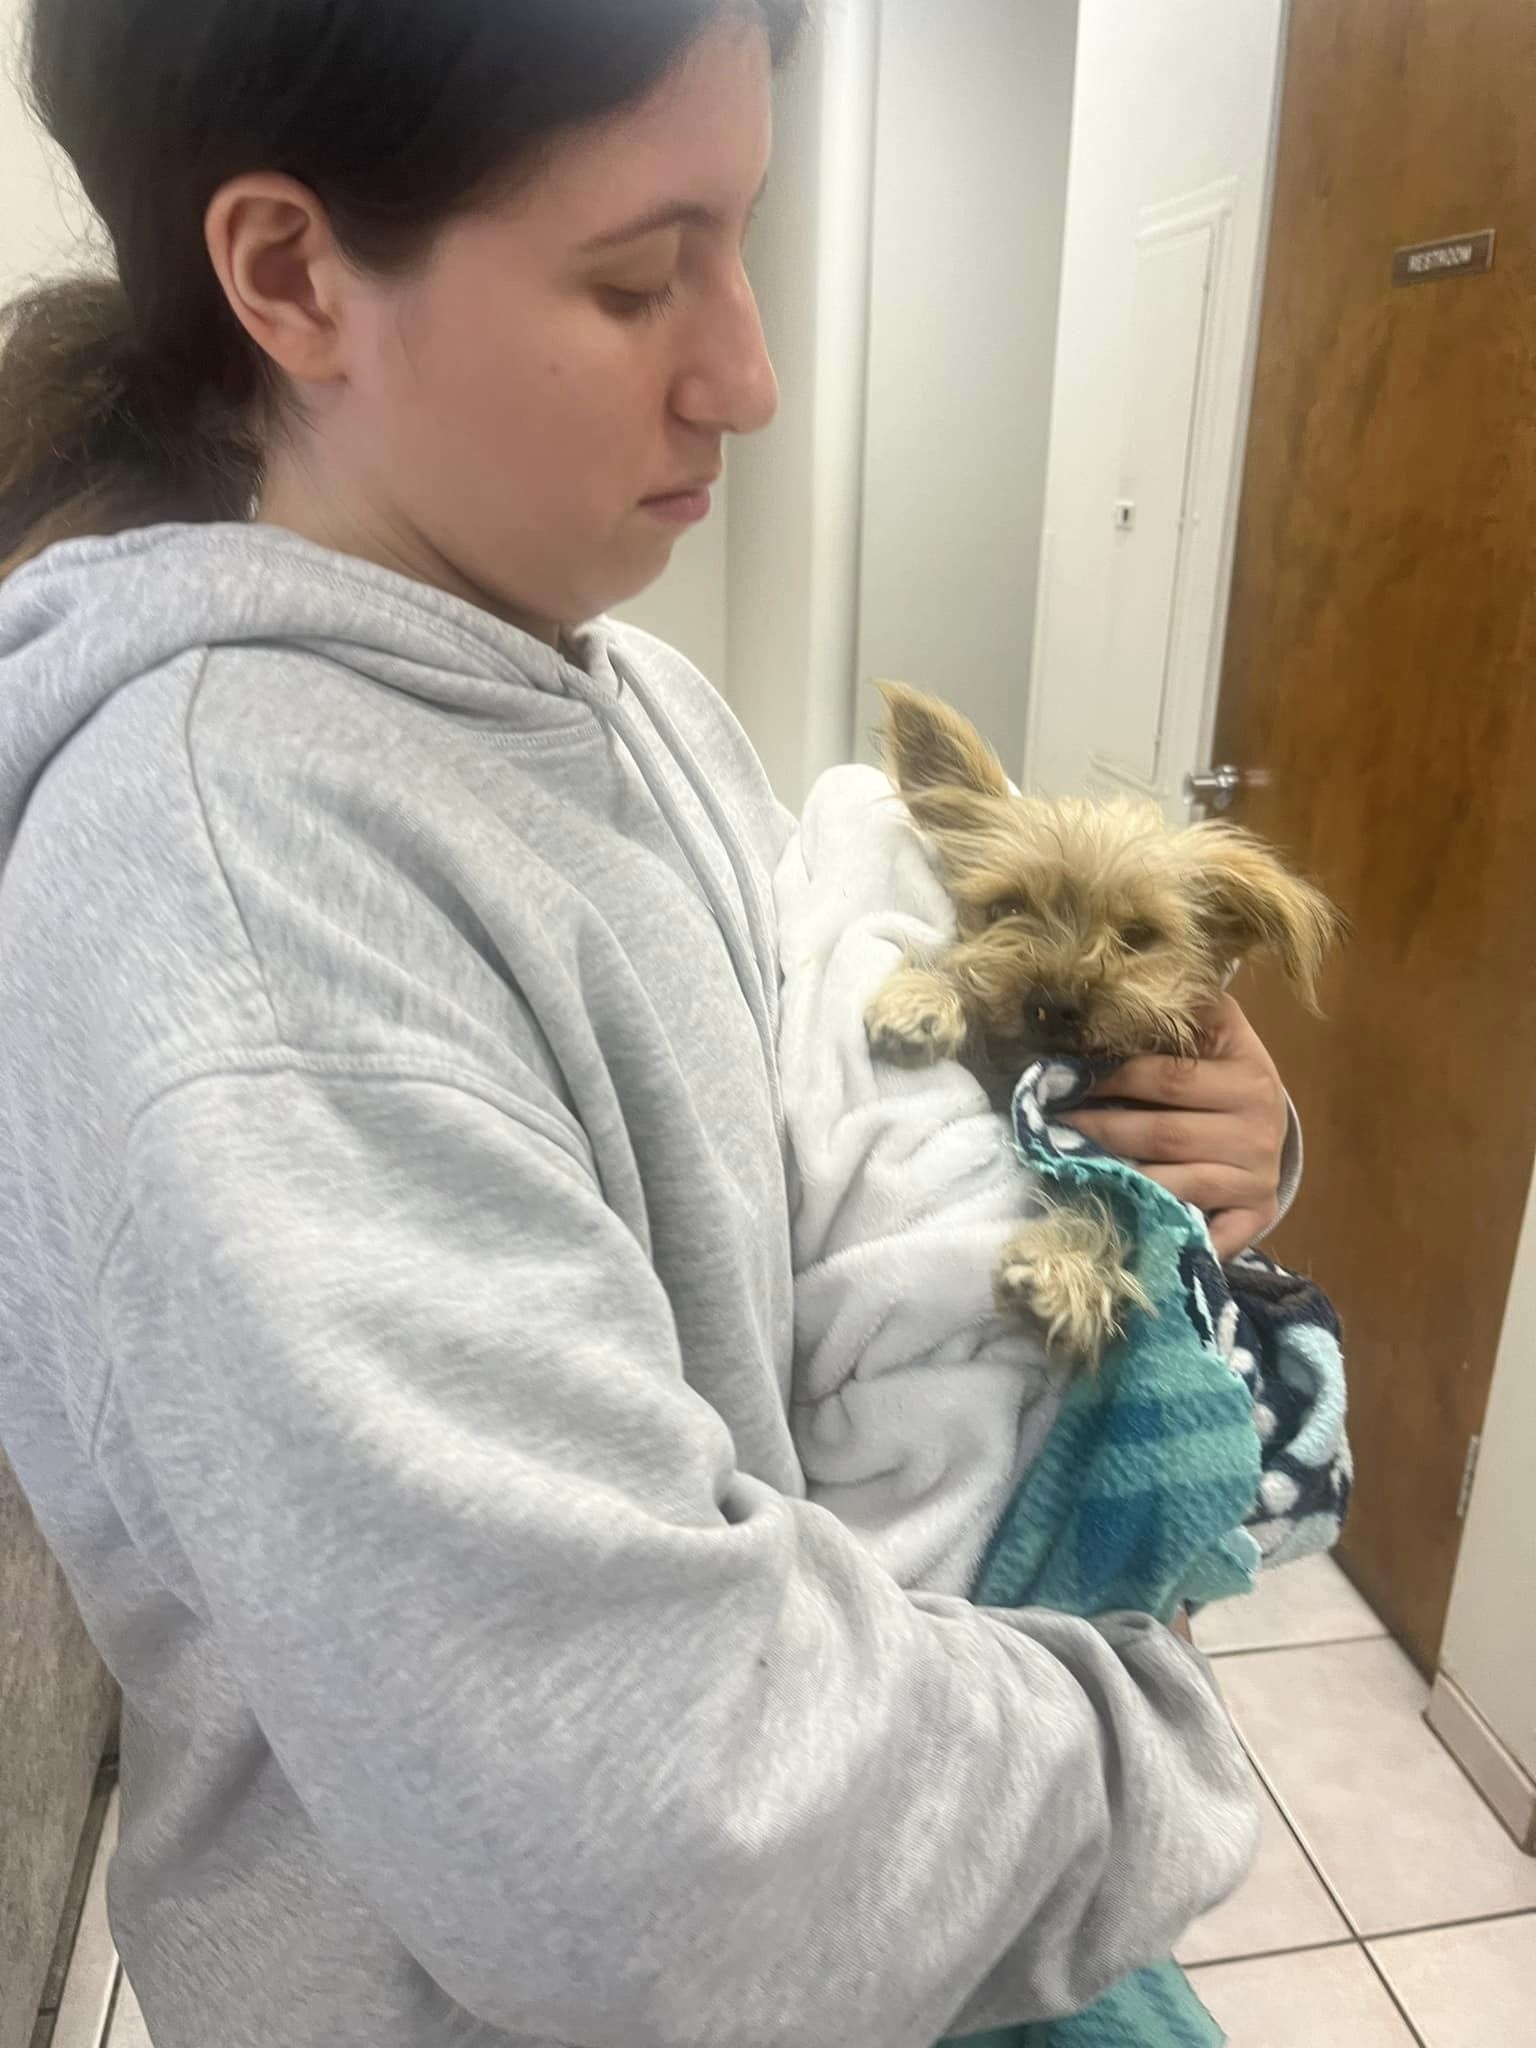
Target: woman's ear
1250, 902
271, 243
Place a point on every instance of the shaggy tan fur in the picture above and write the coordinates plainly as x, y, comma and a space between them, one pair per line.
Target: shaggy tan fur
1066, 1271
1092, 929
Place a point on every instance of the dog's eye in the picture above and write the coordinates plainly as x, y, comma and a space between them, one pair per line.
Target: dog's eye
1139, 938
996, 912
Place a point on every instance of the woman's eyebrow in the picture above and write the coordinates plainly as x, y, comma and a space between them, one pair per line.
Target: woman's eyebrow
677, 213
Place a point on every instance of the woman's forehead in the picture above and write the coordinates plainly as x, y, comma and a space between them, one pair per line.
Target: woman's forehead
694, 152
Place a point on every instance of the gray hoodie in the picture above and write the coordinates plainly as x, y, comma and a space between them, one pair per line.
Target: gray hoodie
395, 1341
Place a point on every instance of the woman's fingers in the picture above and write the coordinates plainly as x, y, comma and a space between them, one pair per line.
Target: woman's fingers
1163, 1137
1234, 1230
1233, 1072
1210, 1187
1161, 1081
1238, 1207
1210, 1130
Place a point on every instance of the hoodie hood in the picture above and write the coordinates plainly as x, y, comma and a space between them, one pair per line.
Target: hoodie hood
88, 617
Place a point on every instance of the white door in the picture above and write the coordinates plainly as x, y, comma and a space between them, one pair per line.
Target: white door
1167, 201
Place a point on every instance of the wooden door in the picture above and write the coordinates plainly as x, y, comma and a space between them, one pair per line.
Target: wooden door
1380, 677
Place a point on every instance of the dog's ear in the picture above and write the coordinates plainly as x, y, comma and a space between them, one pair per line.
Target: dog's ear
1249, 902
928, 746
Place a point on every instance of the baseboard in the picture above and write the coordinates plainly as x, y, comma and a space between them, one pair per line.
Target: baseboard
85, 2008
1503, 1782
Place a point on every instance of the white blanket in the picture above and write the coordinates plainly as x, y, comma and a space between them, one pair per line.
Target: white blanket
916, 1409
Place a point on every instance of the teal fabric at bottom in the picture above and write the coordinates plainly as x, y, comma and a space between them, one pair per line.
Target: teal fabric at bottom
1157, 2005
1140, 1497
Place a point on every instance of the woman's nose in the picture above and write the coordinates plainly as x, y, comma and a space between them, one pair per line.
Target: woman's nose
729, 386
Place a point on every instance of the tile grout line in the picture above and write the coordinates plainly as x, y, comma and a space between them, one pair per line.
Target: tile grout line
1269, 1955
1451, 1926
1319, 1948
1311, 1857
1357, 1931
1359, 1939
1321, 1643
1386, 1984
1312, 1860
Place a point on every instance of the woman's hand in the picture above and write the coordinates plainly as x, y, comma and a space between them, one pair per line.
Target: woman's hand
1212, 1130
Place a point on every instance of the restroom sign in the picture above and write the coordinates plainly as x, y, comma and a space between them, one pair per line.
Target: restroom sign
1456, 256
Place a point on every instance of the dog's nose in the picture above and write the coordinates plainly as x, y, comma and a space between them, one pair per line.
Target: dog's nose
1049, 1014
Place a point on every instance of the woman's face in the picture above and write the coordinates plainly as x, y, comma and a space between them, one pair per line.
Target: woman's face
534, 416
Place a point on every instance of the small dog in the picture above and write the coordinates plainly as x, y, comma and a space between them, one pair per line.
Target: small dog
1096, 930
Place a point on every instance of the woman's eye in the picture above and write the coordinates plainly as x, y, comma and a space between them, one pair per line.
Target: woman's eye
1139, 938
627, 303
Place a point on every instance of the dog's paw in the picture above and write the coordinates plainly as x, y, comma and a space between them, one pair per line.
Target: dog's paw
916, 1020
1065, 1276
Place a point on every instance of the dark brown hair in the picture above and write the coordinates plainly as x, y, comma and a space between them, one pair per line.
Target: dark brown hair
128, 400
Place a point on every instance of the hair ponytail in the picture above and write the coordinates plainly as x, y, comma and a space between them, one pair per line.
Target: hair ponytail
96, 436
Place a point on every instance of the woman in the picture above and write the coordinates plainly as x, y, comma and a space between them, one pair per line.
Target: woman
398, 1305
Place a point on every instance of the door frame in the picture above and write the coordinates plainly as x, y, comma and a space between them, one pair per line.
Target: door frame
1204, 732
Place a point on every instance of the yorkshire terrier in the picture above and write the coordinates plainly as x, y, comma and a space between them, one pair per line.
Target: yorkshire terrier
1095, 930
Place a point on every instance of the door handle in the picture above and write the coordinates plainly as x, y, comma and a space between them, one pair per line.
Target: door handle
1215, 787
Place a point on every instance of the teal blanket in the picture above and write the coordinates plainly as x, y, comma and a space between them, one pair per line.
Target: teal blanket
1210, 1440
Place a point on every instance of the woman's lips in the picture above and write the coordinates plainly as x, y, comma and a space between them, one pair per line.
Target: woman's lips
680, 508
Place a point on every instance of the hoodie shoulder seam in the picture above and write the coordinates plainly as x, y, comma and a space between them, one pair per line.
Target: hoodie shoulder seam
120, 1223
260, 1062
253, 952
289, 1060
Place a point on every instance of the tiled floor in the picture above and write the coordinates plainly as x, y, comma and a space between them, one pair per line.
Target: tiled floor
1389, 1909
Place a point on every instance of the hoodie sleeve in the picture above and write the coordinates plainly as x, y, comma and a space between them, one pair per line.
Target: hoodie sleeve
627, 1748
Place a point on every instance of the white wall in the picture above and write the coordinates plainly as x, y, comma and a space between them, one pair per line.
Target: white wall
1490, 1634
1174, 99
975, 107
43, 215
795, 490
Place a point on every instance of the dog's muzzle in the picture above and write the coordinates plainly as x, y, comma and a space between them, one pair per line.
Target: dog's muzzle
1050, 1017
